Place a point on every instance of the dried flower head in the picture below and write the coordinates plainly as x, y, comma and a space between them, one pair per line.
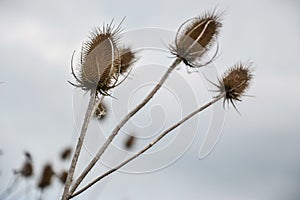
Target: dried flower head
100, 60
27, 168
128, 58
100, 111
46, 177
195, 37
65, 154
130, 142
235, 82
63, 177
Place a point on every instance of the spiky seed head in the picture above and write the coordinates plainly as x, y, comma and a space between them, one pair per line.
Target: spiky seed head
46, 177
195, 37
236, 81
100, 60
128, 58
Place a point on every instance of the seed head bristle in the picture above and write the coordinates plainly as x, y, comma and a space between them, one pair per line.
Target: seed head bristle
46, 177
195, 37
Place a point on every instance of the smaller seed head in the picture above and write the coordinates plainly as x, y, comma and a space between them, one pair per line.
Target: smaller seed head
46, 176
195, 37
128, 58
129, 143
236, 81
65, 154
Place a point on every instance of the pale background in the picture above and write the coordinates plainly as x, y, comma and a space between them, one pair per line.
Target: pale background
257, 156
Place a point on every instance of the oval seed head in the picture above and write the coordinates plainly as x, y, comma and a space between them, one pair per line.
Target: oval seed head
27, 169
128, 58
195, 37
100, 60
130, 141
66, 153
63, 177
46, 177
235, 82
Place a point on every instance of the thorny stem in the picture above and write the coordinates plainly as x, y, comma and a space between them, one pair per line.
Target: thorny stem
86, 121
121, 124
163, 134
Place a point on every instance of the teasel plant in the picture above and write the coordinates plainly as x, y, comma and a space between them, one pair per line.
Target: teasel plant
194, 39
26, 172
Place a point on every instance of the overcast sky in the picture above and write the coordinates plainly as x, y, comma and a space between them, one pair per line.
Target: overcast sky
257, 156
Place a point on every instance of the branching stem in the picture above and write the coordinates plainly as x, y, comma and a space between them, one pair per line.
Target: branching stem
121, 124
163, 134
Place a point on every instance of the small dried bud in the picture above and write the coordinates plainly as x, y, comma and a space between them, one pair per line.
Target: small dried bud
195, 37
63, 177
130, 142
235, 82
27, 169
46, 177
128, 57
100, 111
100, 60
66, 153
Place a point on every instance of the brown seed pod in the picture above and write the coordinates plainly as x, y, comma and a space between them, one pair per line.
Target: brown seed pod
27, 169
65, 154
195, 37
100, 60
46, 177
63, 177
129, 143
128, 58
235, 82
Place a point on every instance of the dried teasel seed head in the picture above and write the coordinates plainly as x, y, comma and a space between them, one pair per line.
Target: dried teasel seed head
195, 37
235, 82
27, 169
129, 143
128, 58
100, 60
66, 153
46, 177
100, 111
63, 177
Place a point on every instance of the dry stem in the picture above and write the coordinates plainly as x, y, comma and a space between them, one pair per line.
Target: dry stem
121, 124
222, 95
86, 121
